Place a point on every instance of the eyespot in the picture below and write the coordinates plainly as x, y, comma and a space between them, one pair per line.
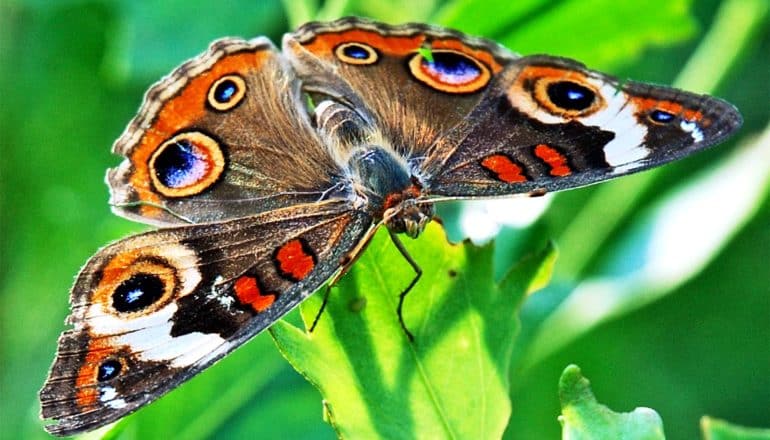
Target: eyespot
661, 117
450, 71
108, 370
138, 292
227, 92
141, 277
186, 165
356, 53
570, 96
146, 285
142, 286
562, 93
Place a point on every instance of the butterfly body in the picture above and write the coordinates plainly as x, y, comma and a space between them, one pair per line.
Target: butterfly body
268, 172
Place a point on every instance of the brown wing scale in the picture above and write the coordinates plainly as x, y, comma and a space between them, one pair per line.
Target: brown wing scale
153, 310
383, 73
548, 124
223, 136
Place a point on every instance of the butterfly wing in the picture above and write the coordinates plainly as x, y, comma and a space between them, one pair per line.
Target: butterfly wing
153, 310
548, 124
225, 135
383, 72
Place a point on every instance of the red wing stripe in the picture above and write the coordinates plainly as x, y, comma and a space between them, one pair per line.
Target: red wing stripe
554, 159
248, 292
503, 168
294, 260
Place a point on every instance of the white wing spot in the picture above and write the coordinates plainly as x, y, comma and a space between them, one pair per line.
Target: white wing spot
693, 129
107, 396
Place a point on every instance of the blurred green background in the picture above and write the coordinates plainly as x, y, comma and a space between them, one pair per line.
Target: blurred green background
691, 343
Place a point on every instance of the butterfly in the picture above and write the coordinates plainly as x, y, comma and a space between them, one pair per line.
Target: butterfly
268, 171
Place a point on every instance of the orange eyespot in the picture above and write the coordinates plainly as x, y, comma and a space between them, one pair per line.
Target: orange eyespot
661, 117
144, 277
186, 165
226, 92
109, 369
569, 98
563, 93
140, 287
450, 71
665, 112
356, 53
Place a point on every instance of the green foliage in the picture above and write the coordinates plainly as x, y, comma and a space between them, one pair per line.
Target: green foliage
582, 417
715, 429
73, 73
452, 381
605, 37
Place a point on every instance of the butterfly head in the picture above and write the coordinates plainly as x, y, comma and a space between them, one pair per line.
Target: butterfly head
409, 217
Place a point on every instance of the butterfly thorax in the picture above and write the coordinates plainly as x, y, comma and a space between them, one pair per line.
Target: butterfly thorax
379, 179
383, 185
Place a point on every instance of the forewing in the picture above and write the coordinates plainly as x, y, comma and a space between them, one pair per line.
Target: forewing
549, 123
384, 74
153, 310
225, 135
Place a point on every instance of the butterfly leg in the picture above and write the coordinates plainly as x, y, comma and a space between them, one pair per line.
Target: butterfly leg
346, 264
418, 274
327, 290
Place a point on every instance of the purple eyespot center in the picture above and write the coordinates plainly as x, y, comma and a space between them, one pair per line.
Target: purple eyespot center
451, 68
181, 164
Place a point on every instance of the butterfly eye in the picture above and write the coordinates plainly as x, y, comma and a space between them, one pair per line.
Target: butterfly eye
449, 71
226, 92
661, 117
108, 370
186, 165
570, 96
356, 53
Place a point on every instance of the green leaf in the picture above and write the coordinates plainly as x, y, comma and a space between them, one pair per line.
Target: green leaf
486, 17
151, 38
300, 11
715, 429
632, 273
426, 53
452, 381
585, 418
662, 249
596, 32
393, 11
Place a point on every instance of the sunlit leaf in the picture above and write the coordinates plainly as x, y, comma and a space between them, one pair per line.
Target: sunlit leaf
715, 429
452, 380
597, 32
583, 417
